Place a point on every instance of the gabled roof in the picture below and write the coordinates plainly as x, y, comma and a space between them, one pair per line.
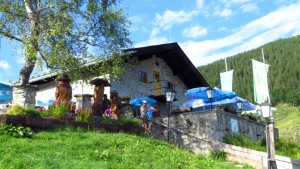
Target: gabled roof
171, 54
176, 59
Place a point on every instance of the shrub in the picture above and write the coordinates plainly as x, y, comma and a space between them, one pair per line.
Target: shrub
130, 121
282, 147
22, 111
45, 113
238, 140
291, 148
83, 115
126, 98
18, 132
58, 110
32, 112
17, 110
218, 155
106, 118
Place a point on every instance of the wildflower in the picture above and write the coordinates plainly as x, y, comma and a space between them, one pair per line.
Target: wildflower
56, 102
108, 113
64, 102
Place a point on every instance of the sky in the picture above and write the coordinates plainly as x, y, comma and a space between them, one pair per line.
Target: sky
206, 30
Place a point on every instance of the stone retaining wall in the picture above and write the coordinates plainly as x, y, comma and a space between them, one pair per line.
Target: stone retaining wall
48, 123
202, 132
256, 158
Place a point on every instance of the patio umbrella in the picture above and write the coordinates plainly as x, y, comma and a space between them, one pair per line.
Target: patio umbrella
138, 101
197, 103
194, 103
5, 94
247, 106
200, 93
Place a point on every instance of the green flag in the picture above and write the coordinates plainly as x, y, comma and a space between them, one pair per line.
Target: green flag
260, 80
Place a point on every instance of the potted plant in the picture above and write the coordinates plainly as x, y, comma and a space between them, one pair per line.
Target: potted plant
126, 99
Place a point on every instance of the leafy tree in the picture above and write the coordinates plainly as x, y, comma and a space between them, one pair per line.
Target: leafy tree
63, 35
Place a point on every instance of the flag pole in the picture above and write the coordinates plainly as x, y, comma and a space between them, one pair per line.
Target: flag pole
226, 64
269, 130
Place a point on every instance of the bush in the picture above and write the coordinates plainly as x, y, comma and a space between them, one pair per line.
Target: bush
17, 110
45, 113
238, 140
130, 121
126, 98
22, 111
218, 155
83, 115
291, 148
282, 147
18, 132
32, 112
58, 110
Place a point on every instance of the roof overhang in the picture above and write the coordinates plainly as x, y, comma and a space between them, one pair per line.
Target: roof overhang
170, 53
176, 59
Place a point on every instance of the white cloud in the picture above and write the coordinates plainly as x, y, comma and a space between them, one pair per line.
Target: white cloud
170, 18
199, 4
223, 28
229, 3
194, 32
249, 7
154, 32
218, 11
225, 13
4, 65
152, 41
135, 20
275, 25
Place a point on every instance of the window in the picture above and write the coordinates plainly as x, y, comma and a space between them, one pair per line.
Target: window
142, 76
170, 86
156, 75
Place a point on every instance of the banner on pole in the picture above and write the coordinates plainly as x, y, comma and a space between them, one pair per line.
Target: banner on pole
260, 80
226, 80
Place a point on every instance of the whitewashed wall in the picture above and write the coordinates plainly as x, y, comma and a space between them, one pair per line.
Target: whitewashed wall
128, 85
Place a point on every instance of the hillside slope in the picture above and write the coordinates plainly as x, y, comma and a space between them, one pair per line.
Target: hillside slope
284, 72
287, 120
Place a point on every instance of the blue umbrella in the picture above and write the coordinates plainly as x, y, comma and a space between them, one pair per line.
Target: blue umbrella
5, 93
138, 101
200, 93
247, 106
193, 103
199, 103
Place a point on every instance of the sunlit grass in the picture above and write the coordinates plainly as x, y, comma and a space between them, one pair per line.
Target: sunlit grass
97, 149
287, 120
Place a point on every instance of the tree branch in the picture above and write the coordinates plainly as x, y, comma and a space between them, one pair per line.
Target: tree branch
10, 36
14, 14
43, 57
30, 12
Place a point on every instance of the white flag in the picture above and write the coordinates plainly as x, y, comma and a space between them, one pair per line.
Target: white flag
226, 80
260, 80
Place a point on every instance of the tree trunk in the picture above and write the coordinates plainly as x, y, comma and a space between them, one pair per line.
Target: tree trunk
24, 97
26, 72
31, 47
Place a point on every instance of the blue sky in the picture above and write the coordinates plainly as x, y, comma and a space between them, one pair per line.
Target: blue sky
206, 30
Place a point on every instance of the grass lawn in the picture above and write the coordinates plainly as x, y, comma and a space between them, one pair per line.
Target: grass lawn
287, 120
98, 149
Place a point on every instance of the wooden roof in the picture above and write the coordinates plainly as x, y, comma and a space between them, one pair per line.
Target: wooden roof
176, 59
171, 54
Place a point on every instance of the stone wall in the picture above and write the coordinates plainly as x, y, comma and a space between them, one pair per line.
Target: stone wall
201, 132
24, 95
129, 84
257, 159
